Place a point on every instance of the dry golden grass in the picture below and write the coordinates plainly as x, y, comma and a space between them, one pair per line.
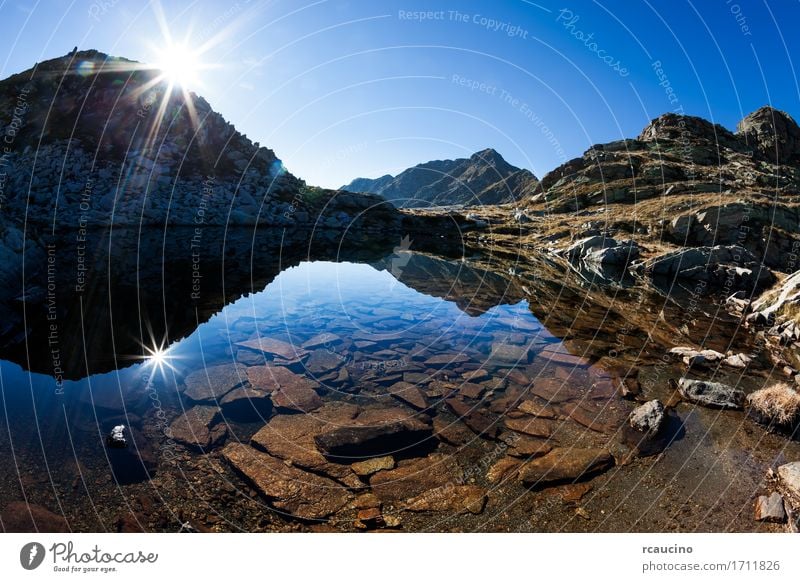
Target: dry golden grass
779, 403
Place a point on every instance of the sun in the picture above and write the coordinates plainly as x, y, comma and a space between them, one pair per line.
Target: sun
158, 357
179, 65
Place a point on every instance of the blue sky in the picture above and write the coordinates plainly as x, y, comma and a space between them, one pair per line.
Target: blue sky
341, 89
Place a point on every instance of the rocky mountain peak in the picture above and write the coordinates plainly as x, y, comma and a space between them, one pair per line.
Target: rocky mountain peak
671, 126
93, 138
488, 156
772, 133
483, 178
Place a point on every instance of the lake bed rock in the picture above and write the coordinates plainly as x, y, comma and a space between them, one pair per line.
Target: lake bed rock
213, 382
198, 427
299, 493
415, 476
565, 464
450, 498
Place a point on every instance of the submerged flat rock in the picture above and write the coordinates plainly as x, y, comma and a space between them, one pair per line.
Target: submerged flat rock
291, 437
450, 498
375, 433
323, 361
289, 489
409, 394
274, 347
565, 464
213, 382
246, 404
289, 390
413, 477
531, 425
198, 427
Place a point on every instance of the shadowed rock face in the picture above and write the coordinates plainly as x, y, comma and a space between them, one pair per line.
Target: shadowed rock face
483, 178
99, 138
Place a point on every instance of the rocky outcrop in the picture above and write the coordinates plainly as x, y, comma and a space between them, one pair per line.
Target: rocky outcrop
483, 178
719, 267
772, 134
674, 155
780, 301
769, 231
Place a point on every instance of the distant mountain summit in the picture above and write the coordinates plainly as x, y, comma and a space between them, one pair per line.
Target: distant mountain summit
483, 178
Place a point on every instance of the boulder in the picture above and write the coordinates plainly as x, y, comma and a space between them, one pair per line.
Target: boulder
603, 250
789, 479
565, 465
648, 418
770, 508
740, 361
692, 357
116, 438
712, 394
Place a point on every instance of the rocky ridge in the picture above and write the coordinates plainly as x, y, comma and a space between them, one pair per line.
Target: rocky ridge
483, 178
